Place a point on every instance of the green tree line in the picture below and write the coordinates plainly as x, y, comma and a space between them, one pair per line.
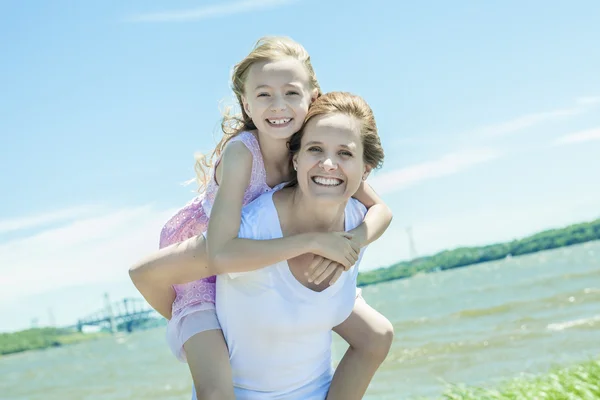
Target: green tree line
460, 257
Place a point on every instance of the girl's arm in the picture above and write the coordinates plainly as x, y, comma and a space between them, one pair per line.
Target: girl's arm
183, 262
378, 217
193, 259
228, 253
376, 221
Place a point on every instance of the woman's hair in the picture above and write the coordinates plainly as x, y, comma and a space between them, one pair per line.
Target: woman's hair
353, 106
268, 48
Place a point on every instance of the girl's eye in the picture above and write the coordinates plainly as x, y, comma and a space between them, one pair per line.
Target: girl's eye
262, 95
314, 149
293, 93
346, 153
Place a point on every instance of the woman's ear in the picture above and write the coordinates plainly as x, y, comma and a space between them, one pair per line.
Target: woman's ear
295, 162
368, 170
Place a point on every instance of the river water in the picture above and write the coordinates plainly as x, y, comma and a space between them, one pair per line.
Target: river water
476, 325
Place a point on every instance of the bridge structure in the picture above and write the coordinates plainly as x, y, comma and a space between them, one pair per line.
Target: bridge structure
125, 314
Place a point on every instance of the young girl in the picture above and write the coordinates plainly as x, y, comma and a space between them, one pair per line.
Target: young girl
275, 85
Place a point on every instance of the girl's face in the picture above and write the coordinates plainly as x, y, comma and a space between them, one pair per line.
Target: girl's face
277, 96
330, 164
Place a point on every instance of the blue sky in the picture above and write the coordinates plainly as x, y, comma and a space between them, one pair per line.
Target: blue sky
489, 115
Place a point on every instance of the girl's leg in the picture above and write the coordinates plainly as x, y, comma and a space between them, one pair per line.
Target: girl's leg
370, 337
208, 359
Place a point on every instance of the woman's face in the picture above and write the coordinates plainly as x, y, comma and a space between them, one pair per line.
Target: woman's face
330, 164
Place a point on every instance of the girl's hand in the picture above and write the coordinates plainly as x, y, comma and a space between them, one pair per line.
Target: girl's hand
338, 247
320, 268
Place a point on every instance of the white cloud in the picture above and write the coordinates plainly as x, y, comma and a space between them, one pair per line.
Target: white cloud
588, 100
448, 164
583, 105
89, 250
16, 224
527, 121
210, 11
578, 137
486, 134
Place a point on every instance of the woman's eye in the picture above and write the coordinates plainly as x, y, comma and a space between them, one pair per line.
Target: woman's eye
262, 95
314, 149
346, 153
293, 93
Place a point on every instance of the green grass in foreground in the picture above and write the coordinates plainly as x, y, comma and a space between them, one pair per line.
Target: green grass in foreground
581, 382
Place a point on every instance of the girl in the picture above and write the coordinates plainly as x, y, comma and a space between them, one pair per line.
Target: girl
274, 85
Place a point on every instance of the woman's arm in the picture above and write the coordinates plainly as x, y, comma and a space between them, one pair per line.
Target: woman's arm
378, 217
155, 275
186, 261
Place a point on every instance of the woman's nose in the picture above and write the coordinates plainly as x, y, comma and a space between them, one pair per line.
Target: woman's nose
328, 164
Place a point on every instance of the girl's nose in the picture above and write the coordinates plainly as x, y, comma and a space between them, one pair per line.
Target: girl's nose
278, 105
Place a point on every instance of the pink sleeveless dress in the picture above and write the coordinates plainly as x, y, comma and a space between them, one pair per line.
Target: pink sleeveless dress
194, 305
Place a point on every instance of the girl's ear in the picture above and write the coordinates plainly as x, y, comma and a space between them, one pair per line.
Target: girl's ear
295, 162
246, 106
314, 95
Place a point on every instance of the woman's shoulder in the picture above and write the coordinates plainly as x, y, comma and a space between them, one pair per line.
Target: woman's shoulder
261, 206
355, 213
356, 207
259, 218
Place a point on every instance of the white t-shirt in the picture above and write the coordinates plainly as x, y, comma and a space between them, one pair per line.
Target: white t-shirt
278, 331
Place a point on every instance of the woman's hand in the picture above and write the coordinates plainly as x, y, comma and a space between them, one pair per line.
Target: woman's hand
336, 246
320, 268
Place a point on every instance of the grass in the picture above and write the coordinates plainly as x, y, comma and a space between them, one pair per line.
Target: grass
577, 382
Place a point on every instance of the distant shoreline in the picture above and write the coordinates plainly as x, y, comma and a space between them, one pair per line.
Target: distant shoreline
465, 256
42, 338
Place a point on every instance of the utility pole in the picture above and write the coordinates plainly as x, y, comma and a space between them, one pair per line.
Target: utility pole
51, 320
412, 249
110, 314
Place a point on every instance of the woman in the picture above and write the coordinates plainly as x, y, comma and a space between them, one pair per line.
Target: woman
329, 170
276, 323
